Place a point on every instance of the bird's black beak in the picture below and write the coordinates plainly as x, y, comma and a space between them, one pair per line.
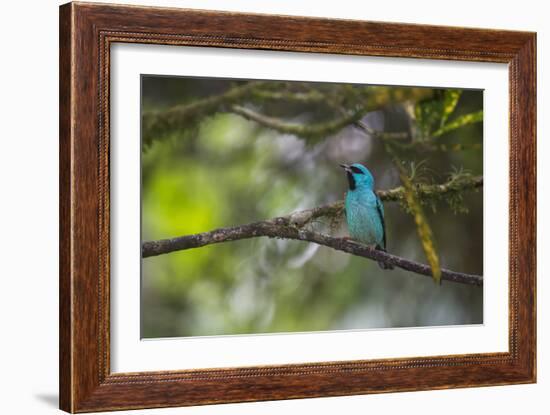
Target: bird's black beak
349, 174
345, 167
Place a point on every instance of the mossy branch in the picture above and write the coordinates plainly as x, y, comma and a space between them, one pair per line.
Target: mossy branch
309, 97
422, 226
424, 192
157, 124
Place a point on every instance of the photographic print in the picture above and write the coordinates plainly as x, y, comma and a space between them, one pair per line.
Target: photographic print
272, 206
259, 207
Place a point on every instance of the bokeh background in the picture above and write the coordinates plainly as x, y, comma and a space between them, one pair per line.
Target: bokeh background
217, 168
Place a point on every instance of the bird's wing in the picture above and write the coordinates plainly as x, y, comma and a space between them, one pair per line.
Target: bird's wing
380, 209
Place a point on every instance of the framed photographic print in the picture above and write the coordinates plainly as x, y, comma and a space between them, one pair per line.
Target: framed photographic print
260, 207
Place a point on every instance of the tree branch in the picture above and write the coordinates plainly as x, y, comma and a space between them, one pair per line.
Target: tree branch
292, 227
426, 144
366, 102
383, 135
310, 97
423, 191
156, 124
303, 130
282, 228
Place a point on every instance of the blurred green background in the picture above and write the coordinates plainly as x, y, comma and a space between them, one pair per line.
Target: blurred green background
219, 169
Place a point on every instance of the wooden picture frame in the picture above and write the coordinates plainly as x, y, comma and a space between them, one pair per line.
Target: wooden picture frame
86, 33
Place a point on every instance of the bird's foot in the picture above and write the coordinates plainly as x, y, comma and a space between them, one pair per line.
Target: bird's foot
383, 265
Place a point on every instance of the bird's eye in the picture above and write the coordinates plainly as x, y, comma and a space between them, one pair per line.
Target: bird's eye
356, 170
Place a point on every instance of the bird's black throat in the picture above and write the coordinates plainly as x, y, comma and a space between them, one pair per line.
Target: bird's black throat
351, 181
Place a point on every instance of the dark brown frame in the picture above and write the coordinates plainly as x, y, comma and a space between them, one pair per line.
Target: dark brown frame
86, 33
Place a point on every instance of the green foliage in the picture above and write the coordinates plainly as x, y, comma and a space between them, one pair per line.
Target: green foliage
433, 114
449, 102
428, 114
459, 122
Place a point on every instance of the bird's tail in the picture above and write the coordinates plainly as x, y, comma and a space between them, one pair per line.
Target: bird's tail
381, 264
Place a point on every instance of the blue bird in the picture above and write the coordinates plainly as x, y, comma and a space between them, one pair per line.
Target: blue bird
364, 209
